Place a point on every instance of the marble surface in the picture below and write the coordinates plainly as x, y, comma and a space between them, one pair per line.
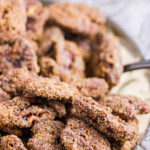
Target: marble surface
133, 16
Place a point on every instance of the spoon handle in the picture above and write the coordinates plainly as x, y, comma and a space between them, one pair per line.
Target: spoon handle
139, 65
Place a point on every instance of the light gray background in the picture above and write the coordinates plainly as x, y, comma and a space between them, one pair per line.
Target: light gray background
133, 16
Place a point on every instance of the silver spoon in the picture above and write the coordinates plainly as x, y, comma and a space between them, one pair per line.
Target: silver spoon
139, 65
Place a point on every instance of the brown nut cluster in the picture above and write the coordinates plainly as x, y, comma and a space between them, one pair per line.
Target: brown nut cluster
57, 65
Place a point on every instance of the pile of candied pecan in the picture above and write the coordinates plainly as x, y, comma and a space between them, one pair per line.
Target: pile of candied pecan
58, 64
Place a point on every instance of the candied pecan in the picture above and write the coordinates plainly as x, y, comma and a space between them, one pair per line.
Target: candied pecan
12, 23
128, 145
141, 106
50, 89
22, 113
49, 67
51, 35
92, 87
37, 15
11, 81
17, 55
102, 118
46, 136
11, 142
58, 107
15, 130
85, 45
33, 44
92, 12
81, 136
125, 106
72, 112
68, 62
4, 96
78, 18
106, 60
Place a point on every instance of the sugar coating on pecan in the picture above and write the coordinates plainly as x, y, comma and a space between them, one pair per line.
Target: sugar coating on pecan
49, 67
67, 62
102, 118
11, 81
17, 55
11, 142
80, 135
106, 60
70, 60
125, 106
51, 36
37, 15
4, 96
22, 113
92, 87
50, 89
58, 107
130, 144
12, 20
68, 16
46, 136
85, 45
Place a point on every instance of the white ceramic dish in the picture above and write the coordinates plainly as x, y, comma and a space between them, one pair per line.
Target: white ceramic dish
134, 83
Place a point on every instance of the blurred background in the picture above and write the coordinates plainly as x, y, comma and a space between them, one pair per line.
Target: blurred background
133, 16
